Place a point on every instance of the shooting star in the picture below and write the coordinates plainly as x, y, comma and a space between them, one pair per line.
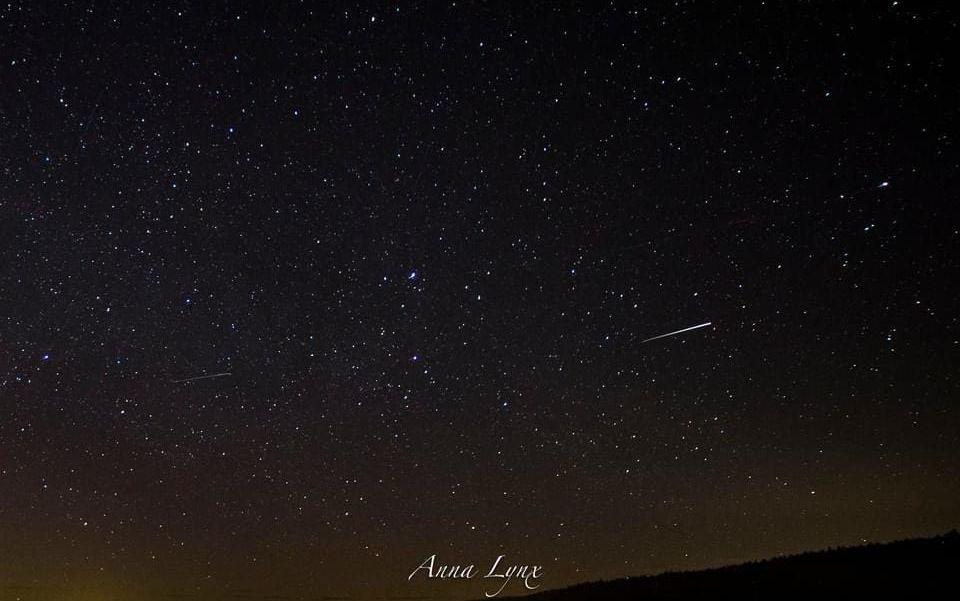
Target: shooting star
219, 375
696, 327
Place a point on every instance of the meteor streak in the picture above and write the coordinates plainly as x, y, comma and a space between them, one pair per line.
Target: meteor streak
219, 375
696, 327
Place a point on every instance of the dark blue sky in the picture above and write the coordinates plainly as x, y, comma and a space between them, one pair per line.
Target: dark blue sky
424, 243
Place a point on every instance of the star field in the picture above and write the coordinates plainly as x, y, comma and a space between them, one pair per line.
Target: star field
419, 248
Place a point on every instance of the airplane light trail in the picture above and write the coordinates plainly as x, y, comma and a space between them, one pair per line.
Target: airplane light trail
696, 327
219, 375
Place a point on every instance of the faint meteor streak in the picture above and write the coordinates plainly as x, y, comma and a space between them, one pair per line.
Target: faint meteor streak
696, 327
219, 375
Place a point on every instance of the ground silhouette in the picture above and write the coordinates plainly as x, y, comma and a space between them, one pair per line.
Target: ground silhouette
909, 569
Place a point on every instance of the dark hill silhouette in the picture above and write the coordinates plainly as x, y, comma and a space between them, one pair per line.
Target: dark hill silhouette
924, 568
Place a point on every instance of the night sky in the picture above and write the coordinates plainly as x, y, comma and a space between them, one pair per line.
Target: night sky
420, 247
